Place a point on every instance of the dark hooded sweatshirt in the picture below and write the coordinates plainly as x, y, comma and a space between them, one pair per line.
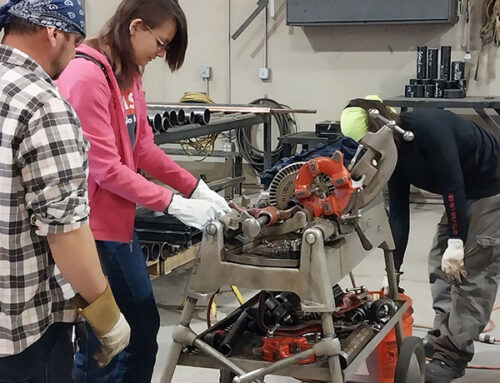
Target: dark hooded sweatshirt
449, 156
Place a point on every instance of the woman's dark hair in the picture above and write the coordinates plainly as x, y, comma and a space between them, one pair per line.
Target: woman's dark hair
114, 38
374, 124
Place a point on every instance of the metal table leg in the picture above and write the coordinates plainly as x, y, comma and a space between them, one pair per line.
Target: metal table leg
393, 290
176, 347
268, 161
229, 191
333, 360
287, 149
495, 128
497, 112
238, 172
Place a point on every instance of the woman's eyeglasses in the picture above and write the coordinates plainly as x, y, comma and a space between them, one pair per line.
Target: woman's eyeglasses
159, 42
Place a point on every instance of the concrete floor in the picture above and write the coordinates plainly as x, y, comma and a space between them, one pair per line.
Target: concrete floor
169, 291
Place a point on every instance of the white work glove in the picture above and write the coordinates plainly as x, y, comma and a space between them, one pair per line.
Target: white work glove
192, 212
203, 192
107, 322
452, 263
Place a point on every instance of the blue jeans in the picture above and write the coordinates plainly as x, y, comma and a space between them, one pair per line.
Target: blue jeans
124, 265
48, 360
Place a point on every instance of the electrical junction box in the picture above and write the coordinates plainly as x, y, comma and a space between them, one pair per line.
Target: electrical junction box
206, 72
334, 12
265, 73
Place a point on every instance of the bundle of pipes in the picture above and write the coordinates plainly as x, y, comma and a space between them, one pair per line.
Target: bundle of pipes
153, 251
160, 121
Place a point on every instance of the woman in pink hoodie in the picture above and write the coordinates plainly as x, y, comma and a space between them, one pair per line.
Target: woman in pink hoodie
103, 84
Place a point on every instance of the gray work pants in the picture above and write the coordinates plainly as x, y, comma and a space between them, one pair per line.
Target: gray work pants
462, 311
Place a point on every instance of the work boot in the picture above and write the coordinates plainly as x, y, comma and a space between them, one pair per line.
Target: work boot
429, 341
437, 371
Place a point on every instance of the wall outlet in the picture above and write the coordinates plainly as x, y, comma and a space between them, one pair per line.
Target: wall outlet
264, 74
206, 72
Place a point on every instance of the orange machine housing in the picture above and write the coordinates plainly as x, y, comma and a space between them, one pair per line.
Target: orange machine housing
340, 179
386, 353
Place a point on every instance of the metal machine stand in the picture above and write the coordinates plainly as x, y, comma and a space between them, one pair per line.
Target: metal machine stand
320, 267
330, 249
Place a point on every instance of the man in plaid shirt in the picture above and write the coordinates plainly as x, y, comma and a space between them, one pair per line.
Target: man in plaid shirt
45, 240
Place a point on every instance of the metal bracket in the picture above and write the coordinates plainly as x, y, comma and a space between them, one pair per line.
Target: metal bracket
261, 5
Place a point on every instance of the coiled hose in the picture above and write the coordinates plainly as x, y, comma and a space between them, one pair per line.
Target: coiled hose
286, 124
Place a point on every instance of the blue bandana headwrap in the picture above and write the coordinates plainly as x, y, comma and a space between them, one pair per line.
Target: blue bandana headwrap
64, 15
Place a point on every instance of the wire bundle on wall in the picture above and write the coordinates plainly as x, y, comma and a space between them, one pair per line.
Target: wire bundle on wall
286, 124
196, 98
206, 144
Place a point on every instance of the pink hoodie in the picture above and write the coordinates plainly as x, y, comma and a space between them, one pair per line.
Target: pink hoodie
115, 187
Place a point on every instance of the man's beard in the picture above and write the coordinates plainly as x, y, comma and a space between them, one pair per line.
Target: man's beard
58, 65
57, 69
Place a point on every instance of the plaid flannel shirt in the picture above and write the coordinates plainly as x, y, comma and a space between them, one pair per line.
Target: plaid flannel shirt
43, 191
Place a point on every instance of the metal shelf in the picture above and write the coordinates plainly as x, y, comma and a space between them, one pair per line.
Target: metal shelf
219, 124
215, 153
478, 103
467, 102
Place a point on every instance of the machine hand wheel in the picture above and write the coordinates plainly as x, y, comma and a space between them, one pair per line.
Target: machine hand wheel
410, 367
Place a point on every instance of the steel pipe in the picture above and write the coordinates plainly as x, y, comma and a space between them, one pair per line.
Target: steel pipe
202, 116
151, 250
164, 251
145, 252
176, 116
157, 122
154, 250
165, 124
214, 354
190, 117
181, 116
172, 116
263, 371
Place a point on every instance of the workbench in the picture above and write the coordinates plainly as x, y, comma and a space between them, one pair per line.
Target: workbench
306, 139
479, 104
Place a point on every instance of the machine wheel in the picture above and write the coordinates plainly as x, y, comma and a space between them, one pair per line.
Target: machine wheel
410, 367
226, 376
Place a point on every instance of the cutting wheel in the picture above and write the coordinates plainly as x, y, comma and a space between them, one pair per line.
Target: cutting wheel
282, 188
